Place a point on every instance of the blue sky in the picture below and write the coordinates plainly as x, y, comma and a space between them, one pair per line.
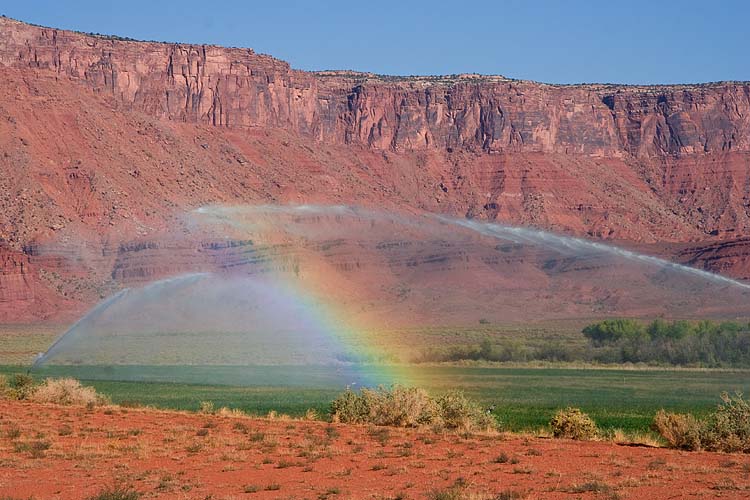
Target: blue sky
566, 41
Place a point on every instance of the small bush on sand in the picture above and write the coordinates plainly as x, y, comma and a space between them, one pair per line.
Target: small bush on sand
351, 408
400, 406
459, 412
457, 491
66, 391
727, 429
230, 412
18, 386
572, 423
116, 493
679, 430
206, 407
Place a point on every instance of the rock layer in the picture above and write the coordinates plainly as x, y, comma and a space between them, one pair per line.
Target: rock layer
239, 88
107, 141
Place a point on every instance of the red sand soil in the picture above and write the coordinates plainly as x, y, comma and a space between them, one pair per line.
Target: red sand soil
186, 456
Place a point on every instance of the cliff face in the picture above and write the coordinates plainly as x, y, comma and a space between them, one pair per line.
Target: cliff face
239, 88
107, 142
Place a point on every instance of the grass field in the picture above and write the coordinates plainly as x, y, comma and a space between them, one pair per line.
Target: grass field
525, 398
20, 344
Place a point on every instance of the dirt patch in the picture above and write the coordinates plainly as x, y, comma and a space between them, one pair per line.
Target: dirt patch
54, 452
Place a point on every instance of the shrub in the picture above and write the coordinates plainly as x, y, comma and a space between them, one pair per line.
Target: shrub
13, 432
409, 407
457, 491
572, 423
398, 406
401, 407
229, 412
679, 430
117, 493
206, 407
728, 429
66, 391
19, 386
459, 412
611, 330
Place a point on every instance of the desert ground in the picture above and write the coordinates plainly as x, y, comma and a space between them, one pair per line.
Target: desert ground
56, 452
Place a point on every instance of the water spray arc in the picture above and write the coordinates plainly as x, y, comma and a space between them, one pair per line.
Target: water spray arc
332, 287
565, 245
576, 246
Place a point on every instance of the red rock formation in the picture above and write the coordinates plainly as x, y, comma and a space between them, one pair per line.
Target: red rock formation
239, 88
105, 141
14, 277
730, 257
27, 292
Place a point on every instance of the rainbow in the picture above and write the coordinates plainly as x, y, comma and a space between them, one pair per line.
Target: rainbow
311, 288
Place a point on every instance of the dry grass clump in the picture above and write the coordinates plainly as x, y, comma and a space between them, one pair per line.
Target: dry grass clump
116, 493
460, 490
620, 436
66, 391
230, 412
206, 407
572, 423
678, 430
727, 429
62, 391
401, 406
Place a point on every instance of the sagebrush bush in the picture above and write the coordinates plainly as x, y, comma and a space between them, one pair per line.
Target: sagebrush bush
572, 423
678, 430
400, 406
350, 408
206, 407
117, 493
459, 412
727, 429
19, 386
230, 412
66, 391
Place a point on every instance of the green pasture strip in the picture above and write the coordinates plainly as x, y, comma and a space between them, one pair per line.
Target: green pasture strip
524, 398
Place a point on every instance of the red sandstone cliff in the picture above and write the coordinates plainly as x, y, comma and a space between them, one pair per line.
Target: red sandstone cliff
106, 140
239, 88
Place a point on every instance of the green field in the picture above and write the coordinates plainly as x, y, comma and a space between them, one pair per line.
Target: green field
525, 398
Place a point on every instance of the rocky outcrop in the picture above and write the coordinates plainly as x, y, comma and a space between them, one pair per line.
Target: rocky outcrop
106, 144
730, 258
15, 286
239, 88
26, 293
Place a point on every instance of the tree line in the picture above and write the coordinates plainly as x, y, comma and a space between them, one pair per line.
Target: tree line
617, 341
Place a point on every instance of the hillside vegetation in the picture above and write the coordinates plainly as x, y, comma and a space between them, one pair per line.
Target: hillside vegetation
704, 344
